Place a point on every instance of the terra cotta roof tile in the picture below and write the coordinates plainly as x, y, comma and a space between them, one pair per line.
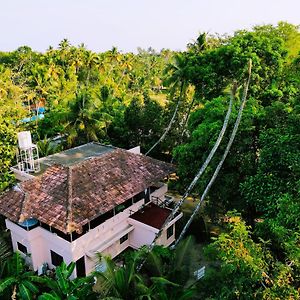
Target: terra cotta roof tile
67, 197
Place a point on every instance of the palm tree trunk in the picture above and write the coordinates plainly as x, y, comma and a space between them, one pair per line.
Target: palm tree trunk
213, 178
87, 79
201, 170
171, 122
184, 124
196, 178
187, 117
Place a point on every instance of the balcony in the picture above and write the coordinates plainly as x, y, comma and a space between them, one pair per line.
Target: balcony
164, 201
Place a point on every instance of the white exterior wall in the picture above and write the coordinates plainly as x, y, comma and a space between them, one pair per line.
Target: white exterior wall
95, 238
39, 242
144, 234
105, 237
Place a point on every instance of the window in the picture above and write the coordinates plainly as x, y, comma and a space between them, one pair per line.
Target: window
138, 197
128, 203
153, 189
22, 248
170, 231
56, 259
59, 233
124, 238
101, 219
119, 208
80, 267
66, 237
147, 195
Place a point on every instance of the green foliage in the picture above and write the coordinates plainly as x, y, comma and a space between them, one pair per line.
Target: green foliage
121, 282
17, 281
166, 274
171, 272
46, 147
113, 98
245, 269
82, 120
5, 253
62, 287
137, 126
49, 126
7, 153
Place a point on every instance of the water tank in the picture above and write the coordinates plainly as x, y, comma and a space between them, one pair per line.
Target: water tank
24, 140
29, 223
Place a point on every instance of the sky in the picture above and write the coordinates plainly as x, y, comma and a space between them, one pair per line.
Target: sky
128, 24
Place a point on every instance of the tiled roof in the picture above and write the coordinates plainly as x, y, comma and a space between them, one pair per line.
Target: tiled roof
152, 215
67, 197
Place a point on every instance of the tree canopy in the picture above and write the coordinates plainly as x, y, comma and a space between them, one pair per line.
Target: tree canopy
76, 96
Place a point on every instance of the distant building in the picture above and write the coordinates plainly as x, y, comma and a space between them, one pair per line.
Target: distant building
89, 199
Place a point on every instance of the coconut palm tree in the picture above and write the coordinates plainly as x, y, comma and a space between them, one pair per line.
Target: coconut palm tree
121, 282
219, 166
198, 47
177, 80
64, 44
5, 253
91, 61
126, 66
199, 173
82, 119
47, 147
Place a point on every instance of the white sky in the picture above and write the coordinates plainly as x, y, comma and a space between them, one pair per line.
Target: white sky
128, 24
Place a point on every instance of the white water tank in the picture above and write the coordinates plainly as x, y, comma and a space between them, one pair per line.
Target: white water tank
24, 140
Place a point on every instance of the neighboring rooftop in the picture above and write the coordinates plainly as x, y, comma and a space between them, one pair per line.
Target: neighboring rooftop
152, 215
76, 188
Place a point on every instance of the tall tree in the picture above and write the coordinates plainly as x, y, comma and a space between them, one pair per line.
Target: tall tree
83, 123
177, 80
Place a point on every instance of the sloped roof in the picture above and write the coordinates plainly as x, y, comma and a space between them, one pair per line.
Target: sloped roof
67, 197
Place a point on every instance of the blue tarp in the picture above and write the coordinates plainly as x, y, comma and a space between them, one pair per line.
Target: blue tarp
33, 118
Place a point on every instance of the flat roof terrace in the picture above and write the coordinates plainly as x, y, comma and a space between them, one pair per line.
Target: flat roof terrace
66, 158
152, 215
73, 156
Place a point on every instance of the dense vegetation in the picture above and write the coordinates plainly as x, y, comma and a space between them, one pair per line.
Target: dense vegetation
128, 100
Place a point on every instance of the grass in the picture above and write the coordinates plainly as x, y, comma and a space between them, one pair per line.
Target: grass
212, 229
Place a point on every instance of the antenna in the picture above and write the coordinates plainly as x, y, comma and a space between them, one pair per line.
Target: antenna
28, 154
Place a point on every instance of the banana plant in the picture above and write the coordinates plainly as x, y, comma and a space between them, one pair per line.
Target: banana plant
62, 287
19, 283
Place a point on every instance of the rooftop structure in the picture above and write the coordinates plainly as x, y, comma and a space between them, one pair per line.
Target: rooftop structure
92, 198
82, 187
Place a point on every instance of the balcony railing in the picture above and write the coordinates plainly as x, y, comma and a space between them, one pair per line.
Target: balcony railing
165, 201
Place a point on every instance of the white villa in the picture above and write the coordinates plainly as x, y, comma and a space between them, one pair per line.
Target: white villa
89, 199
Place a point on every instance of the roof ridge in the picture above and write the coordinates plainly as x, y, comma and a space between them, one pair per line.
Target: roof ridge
22, 206
69, 200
